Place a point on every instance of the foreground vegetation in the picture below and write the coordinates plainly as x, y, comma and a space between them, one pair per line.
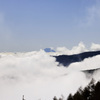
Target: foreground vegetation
90, 92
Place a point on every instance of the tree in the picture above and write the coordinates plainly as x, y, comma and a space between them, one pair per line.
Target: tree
70, 97
55, 98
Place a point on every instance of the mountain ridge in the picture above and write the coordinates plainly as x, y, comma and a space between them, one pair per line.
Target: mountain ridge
66, 60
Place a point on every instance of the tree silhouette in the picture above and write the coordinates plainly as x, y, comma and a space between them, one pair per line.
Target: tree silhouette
70, 97
90, 92
55, 98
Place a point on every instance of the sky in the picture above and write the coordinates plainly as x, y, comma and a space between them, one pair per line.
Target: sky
27, 25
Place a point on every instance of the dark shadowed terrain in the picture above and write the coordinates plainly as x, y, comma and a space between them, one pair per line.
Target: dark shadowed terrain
66, 60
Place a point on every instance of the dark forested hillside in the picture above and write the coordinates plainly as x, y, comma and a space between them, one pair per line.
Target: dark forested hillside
66, 60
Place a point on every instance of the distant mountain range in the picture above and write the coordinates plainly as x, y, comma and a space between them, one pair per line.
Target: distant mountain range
66, 60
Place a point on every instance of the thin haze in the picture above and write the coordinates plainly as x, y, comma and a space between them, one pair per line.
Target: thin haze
27, 25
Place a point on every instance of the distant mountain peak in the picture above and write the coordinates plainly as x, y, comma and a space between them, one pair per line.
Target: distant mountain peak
49, 50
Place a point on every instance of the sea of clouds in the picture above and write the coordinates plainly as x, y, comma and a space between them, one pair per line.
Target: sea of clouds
36, 74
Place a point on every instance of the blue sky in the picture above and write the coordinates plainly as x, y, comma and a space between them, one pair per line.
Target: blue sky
27, 25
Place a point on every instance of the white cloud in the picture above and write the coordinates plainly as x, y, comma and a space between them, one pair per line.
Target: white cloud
95, 46
36, 75
76, 49
92, 16
88, 63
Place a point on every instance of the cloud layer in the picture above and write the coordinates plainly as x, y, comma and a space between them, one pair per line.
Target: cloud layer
37, 76
76, 49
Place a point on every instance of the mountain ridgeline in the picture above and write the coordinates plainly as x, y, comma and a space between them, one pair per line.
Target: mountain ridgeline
66, 60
